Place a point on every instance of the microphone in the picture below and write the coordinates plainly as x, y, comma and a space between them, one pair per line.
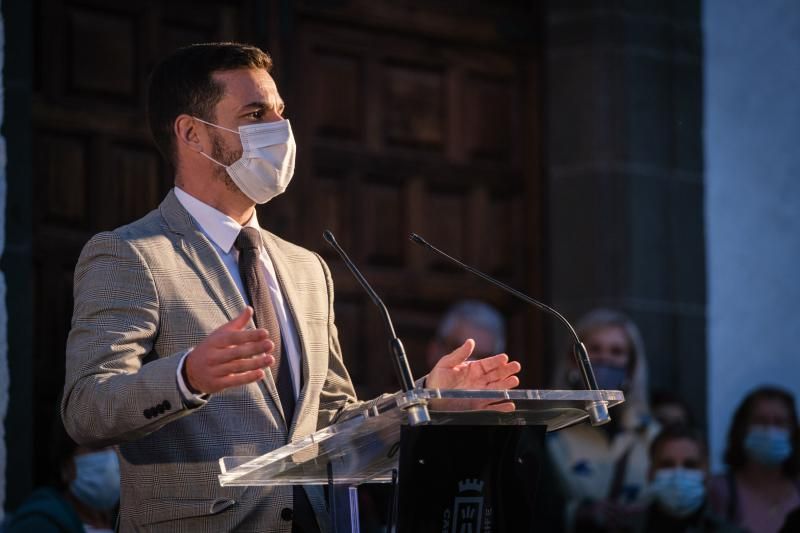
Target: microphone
417, 413
598, 410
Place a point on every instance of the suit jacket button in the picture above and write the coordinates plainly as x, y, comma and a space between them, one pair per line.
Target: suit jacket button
287, 514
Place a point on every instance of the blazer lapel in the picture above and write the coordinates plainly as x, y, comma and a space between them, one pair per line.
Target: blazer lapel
202, 256
291, 295
210, 268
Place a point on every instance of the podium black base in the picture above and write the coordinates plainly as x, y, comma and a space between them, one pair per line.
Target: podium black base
476, 479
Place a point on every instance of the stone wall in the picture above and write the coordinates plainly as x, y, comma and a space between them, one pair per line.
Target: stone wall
625, 176
752, 116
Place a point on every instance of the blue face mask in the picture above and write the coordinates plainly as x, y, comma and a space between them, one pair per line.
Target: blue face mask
679, 491
768, 445
96, 482
610, 377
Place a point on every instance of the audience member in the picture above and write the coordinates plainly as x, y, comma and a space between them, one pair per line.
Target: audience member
82, 495
761, 485
669, 409
678, 475
604, 470
469, 319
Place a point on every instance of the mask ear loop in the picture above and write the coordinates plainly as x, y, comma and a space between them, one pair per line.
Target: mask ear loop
220, 127
217, 126
212, 159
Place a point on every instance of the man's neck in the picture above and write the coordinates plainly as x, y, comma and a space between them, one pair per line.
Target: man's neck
232, 203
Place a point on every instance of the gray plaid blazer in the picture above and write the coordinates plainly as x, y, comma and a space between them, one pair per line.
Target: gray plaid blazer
145, 294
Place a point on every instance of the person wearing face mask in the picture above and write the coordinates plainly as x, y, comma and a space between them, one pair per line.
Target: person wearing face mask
603, 470
469, 319
197, 334
761, 486
677, 487
82, 496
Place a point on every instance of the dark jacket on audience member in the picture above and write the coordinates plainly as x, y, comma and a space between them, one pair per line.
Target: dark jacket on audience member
46, 511
653, 520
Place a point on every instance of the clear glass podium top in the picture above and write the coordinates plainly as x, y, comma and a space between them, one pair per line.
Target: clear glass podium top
364, 446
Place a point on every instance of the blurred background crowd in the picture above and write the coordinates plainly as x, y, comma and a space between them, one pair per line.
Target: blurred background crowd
649, 469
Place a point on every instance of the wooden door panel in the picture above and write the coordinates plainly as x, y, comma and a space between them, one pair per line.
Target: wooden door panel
427, 136
108, 71
412, 106
61, 170
337, 97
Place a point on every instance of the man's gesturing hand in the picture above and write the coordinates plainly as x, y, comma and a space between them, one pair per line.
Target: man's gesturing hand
229, 356
453, 371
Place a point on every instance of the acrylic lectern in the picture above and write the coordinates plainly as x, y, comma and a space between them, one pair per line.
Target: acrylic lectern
473, 466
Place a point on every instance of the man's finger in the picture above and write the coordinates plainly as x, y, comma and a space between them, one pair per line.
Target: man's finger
489, 364
224, 339
233, 380
239, 322
503, 371
457, 356
238, 366
510, 382
241, 351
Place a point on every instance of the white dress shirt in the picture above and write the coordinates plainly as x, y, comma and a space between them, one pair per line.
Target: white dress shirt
222, 231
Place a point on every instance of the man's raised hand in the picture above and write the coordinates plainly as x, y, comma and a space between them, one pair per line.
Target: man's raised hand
453, 371
229, 356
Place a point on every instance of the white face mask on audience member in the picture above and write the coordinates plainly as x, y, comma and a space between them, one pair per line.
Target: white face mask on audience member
679, 491
96, 482
768, 445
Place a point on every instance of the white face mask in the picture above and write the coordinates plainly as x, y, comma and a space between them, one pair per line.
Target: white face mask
96, 481
267, 163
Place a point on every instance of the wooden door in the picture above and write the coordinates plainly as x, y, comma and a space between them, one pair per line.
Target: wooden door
416, 117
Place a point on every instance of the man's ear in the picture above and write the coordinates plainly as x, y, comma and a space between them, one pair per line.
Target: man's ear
188, 133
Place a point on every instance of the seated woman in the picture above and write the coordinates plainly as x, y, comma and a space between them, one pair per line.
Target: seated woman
761, 486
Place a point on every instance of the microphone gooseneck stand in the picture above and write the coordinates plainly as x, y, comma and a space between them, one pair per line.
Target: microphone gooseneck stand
417, 412
598, 409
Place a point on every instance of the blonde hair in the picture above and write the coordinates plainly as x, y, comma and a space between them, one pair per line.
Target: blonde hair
636, 397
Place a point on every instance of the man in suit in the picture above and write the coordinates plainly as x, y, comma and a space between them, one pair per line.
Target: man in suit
196, 334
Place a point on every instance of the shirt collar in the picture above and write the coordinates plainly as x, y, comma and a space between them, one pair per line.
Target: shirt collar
218, 226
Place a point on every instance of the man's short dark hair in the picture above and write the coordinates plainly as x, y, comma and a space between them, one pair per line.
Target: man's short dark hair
183, 83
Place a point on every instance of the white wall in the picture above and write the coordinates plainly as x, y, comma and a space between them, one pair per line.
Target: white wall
752, 154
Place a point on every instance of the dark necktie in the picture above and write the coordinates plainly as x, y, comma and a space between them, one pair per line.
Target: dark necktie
248, 243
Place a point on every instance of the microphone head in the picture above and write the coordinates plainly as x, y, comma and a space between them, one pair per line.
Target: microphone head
328, 236
417, 239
